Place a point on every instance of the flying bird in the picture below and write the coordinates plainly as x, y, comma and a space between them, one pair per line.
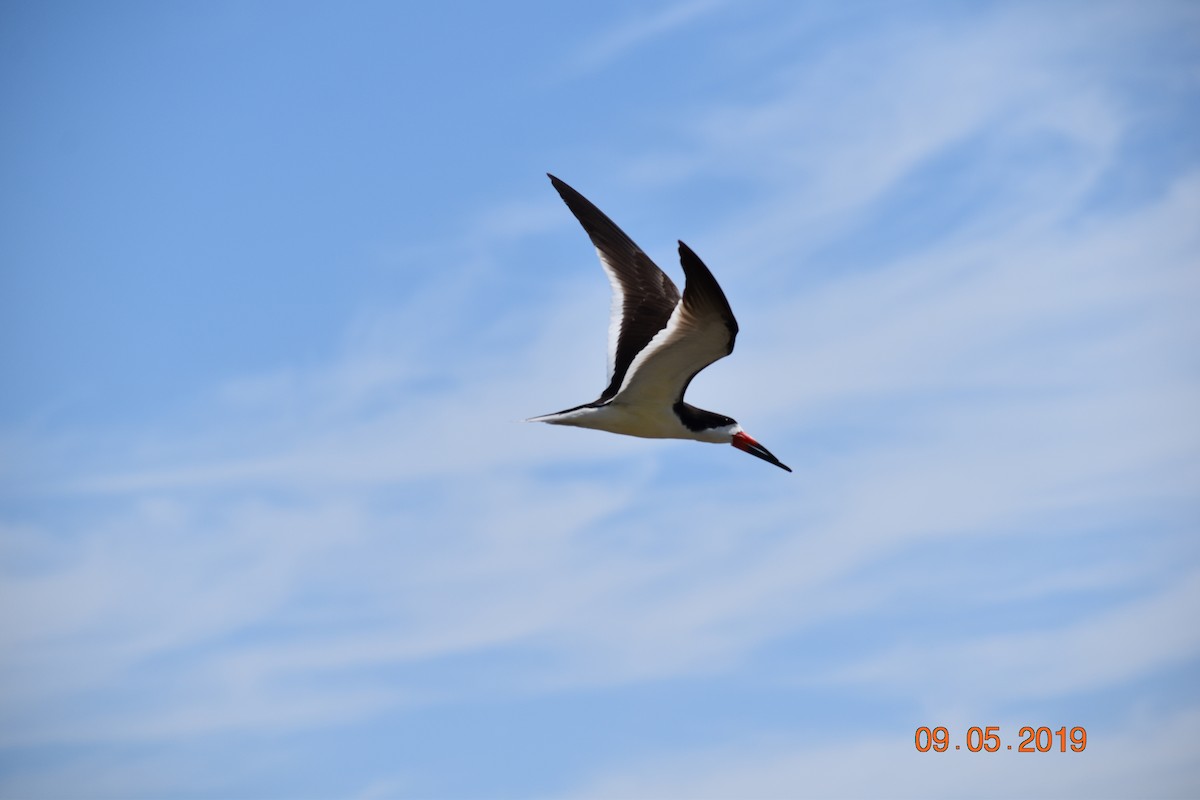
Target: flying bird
657, 342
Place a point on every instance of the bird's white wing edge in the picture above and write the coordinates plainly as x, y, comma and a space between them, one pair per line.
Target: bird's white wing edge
616, 314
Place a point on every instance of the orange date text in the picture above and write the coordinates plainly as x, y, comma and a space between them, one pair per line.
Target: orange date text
988, 740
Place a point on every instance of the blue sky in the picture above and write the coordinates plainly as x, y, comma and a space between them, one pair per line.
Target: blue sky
280, 279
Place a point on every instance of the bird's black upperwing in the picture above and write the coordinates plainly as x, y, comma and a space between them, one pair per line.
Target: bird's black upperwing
643, 297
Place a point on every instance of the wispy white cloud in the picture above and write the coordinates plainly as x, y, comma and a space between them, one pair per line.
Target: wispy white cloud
1079, 658
638, 31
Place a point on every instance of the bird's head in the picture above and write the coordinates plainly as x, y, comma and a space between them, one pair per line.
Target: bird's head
707, 426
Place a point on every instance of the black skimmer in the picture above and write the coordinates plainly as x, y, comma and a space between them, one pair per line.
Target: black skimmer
657, 342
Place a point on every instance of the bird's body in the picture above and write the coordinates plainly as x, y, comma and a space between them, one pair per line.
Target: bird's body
658, 341
647, 421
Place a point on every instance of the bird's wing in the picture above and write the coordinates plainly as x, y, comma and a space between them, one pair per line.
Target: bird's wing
643, 297
701, 330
